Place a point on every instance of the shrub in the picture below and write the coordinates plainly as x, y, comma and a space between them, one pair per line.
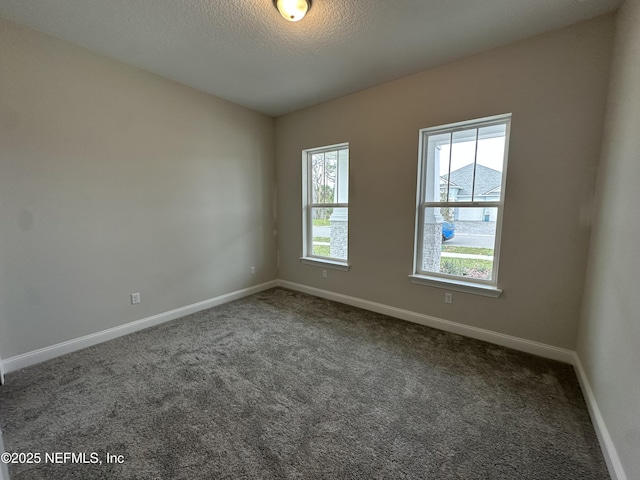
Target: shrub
466, 267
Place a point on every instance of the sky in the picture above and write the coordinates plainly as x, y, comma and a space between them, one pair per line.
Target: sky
490, 154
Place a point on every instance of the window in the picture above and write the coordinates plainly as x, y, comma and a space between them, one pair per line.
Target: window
325, 199
461, 180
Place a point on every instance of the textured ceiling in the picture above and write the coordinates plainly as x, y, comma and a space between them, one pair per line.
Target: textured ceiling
245, 52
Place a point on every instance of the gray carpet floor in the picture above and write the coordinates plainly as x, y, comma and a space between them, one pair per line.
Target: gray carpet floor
285, 385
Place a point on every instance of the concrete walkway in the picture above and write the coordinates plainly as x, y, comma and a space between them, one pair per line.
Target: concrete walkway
321, 231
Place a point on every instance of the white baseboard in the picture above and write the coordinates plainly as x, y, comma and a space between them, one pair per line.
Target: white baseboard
548, 351
606, 443
24, 360
521, 344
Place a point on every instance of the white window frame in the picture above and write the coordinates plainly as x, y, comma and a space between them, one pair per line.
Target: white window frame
307, 207
476, 286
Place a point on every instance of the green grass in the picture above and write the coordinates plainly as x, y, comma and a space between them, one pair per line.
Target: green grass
322, 250
471, 250
467, 267
320, 222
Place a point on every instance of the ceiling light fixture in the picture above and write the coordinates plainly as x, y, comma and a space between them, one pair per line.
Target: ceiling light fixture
293, 10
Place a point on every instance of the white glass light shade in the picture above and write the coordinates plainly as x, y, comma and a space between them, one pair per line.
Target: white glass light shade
293, 10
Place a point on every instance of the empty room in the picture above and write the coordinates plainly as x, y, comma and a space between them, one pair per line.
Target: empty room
319, 239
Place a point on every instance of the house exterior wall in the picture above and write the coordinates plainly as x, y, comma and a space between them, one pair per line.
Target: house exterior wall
476, 215
339, 243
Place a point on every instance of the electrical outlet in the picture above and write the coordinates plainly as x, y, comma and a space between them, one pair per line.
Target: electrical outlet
324, 274
253, 270
448, 297
135, 298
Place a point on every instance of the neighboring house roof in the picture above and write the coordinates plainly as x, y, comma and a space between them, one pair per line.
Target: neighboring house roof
488, 180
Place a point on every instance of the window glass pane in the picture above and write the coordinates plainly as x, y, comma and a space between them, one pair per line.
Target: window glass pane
461, 246
317, 176
330, 232
330, 177
490, 162
342, 178
437, 165
462, 167
326, 167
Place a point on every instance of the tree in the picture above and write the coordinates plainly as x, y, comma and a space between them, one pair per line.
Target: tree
446, 212
323, 177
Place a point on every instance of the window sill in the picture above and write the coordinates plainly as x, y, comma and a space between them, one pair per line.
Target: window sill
457, 285
316, 262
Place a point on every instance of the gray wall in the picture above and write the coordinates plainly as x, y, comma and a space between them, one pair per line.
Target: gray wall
555, 85
609, 341
114, 181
